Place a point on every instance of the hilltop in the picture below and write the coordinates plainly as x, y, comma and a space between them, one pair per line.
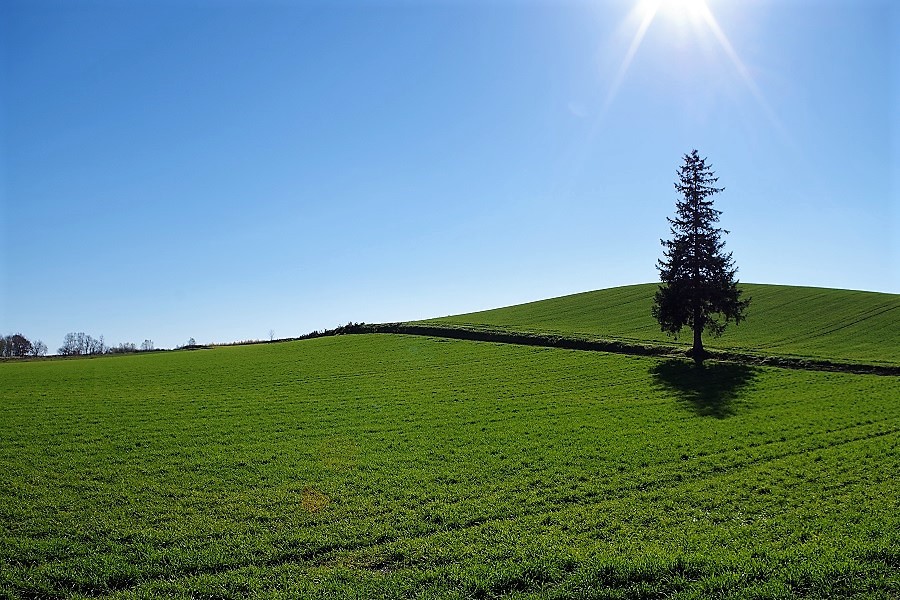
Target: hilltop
792, 321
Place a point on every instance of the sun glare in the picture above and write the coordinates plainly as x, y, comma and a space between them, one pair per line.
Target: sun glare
684, 10
697, 15
679, 11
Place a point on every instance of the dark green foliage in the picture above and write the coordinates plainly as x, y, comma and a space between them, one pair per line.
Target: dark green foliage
699, 289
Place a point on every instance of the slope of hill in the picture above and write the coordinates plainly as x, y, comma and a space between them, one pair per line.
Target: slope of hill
820, 323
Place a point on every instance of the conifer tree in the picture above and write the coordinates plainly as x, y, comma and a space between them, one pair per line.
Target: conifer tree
699, 289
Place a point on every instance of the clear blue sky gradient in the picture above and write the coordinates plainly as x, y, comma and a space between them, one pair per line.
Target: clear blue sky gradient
217, 169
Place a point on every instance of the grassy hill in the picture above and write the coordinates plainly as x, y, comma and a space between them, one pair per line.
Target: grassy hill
783, 320
396, 467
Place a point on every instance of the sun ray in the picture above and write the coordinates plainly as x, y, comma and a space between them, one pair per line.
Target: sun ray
710, 20
645, 11
648, 10
698, 13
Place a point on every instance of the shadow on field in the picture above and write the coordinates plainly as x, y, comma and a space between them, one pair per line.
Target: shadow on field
711, 389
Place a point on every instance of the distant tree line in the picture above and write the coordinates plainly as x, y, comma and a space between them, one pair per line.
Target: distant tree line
125, 348
83, 344
18, 345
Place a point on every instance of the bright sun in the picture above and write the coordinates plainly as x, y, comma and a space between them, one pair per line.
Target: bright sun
683, 12
692, 11
698, 15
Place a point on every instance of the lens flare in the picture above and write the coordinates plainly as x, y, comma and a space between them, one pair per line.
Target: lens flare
698, 14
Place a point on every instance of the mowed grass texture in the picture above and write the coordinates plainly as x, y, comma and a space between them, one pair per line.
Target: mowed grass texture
391, 466
820, 323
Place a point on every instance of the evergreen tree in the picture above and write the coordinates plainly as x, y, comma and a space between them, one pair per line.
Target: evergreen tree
698, 288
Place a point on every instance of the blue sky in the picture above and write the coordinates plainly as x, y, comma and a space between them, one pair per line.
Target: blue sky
217, 170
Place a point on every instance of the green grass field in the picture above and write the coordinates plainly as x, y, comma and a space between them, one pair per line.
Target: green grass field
782, 320
396, 466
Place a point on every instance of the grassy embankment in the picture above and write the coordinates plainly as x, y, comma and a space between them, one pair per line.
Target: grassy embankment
397, 466
836, 325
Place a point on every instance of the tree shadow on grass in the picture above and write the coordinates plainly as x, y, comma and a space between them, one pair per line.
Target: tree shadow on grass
711, 390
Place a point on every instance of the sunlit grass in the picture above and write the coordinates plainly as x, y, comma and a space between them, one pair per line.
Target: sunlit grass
395, 466
782, 320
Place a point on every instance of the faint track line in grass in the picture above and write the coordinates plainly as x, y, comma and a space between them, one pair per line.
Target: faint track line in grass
814, 334
633, 436
327, 554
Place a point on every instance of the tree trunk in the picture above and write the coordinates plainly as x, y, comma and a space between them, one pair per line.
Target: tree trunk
697, 351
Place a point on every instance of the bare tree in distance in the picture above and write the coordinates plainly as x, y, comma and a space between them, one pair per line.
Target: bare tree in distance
82, 344
123, 348
38, 348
